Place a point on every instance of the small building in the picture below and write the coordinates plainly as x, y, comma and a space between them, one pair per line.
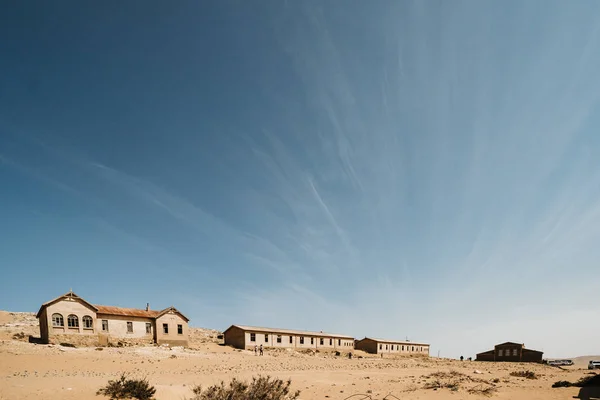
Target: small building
510, 351
246, 337
385, 346
71, 319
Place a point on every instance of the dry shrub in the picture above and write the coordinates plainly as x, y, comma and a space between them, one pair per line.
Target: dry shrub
124, 388
261, 388
586, 381
524, 374
483, 389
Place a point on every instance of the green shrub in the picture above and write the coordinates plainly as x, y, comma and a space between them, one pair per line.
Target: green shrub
124, 388
261, 388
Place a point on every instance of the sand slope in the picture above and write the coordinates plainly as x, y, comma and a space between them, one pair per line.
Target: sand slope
29, 371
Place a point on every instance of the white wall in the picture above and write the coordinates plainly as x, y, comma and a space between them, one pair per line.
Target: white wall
117, 326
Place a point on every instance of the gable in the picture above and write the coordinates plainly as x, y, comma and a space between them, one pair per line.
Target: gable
68, 298
509, 344
173, 312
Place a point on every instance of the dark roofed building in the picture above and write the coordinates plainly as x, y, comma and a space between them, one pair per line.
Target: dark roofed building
510, 351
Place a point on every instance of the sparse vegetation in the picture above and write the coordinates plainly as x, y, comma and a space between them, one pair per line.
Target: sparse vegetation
125, 388
261, 388
485, 390
586, 381
524, 374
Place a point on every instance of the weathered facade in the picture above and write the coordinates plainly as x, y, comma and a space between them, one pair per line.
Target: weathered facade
385, 346
246, 337
510, 351
69, 318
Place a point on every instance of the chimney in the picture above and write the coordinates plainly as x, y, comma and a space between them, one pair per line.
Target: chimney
147, 306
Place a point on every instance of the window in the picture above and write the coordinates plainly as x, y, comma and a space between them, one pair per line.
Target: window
321, 341
402, 347
312, 340
179, 329
291, 339
500, 353
148, 327
73, 321
166, 329
105, 325
515, 352
253, 337
413, 348
129, 327
339, 342
301, 339
266, 338
57, 320
380, 346
386, 346
330, 342
88, 322
278, 338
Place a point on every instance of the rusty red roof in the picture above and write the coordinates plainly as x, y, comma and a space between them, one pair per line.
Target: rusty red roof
126, 312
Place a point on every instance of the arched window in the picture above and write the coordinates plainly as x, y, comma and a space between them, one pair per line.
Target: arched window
57, 320
88, 322
73, 321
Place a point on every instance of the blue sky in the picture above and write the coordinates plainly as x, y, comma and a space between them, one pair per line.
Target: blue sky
426, 170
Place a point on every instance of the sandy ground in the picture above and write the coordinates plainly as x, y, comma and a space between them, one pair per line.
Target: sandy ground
30, 371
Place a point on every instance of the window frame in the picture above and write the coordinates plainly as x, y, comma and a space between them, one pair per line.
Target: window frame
57, 317
301, 339
252, 337
148, 328
104, 325
87, 320
70, 323
266, 338
279, 339
165, 329
129, 326
180, 329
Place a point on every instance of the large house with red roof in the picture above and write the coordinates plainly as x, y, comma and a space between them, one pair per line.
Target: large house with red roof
69, 318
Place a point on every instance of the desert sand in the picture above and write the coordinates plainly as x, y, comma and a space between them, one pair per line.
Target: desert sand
34, 371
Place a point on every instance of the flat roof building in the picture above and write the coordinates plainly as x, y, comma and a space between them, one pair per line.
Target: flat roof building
386, 346
510, 351
247, 337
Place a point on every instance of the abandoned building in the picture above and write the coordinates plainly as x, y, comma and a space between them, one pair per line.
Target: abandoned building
510, 351
69, 318
384, 346
247, 337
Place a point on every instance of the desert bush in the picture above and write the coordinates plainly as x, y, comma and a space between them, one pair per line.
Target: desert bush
562, 384
524, 374
438, 384
484, 390
125, 388
586, 381
261, 388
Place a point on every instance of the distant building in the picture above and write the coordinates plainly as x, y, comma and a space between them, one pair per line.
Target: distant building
246, 337
510, 351
70, 318
385, 346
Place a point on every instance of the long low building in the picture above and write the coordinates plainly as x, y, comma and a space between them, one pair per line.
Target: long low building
383, 346
246, 337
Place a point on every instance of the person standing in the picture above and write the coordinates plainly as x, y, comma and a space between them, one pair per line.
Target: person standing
261, 350
255, 350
